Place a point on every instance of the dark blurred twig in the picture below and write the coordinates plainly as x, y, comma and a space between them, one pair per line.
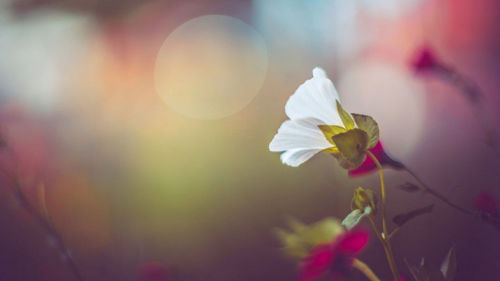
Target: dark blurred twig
488, 219
43, 221
426, 61
468, 86
47, 226
475, 96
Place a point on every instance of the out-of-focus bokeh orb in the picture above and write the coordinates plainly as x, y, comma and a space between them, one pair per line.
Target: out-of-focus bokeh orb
211, 67
392, 96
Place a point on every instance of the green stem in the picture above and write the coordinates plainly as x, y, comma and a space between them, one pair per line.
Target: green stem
387, 249
365, 269
394, 231
384, 239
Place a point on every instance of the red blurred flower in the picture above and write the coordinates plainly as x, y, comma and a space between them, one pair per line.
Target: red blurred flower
334, 259
425, 60
369, 166
152, 271
486, 203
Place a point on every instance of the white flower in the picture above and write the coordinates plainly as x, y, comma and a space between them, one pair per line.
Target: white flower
312, 104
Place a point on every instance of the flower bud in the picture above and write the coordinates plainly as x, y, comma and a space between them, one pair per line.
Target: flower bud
363, 198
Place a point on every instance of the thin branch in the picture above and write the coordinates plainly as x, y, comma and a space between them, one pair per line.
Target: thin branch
47, 226
42, 220
488, 219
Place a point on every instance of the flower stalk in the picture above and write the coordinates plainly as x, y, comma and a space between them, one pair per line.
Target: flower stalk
384, 236
318, 123
365, 269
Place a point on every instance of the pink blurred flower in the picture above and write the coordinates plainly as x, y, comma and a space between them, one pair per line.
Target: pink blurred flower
486, 203
334, 259
424, 60
369, 166
152, 271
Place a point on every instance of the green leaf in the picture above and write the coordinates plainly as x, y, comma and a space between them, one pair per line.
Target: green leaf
449, 266
345, 117
404, 218
367, 124
352, 146
363, 198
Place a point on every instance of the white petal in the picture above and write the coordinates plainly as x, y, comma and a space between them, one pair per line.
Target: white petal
299, 134
319, 72
315, 98
295, 157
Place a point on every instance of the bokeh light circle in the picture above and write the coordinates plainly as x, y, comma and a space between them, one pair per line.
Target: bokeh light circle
392, 96
211, 67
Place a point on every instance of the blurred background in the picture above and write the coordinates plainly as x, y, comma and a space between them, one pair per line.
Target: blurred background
148, 124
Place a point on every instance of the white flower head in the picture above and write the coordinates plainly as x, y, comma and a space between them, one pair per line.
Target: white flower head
312, 104
318, 123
